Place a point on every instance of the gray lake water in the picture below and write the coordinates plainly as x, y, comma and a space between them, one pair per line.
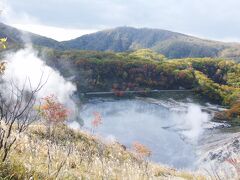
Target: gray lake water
171, 129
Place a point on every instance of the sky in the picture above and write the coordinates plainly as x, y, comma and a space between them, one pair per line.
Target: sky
67, 19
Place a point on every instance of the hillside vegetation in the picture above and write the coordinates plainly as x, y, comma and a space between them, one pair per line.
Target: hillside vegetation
122, 39
79, 155
171, 44
143, 70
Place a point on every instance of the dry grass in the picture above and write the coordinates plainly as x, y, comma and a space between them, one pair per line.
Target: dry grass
78, 155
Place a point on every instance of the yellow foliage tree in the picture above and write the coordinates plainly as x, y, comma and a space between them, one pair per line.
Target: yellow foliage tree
147, 54
3, 43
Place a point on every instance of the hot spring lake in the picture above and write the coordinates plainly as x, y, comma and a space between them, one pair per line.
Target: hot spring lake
171, 127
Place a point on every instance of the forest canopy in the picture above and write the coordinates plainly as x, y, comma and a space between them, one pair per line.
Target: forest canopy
217, 79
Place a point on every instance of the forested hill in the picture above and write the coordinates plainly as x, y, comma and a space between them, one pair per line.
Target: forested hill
171, 44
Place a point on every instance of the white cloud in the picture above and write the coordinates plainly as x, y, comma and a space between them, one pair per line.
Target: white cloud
11, 16
26, 22
59, 34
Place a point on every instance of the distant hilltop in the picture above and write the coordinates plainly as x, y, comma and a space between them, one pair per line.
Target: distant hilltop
121, 39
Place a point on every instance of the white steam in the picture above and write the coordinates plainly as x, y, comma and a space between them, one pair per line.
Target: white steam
193, 122
24, 66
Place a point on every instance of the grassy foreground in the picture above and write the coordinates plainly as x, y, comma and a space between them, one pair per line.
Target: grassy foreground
70, 154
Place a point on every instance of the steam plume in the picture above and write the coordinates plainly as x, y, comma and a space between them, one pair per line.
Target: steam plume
25, 68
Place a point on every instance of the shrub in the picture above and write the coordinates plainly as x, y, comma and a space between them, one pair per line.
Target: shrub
53, 111
141, 150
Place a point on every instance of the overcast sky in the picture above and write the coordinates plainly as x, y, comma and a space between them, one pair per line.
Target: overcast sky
213, 19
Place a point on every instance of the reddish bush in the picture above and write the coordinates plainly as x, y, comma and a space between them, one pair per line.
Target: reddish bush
52, 110
97, 120
141, 150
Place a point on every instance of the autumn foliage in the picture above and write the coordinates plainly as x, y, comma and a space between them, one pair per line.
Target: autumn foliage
52, 110
2, 67
234, 111
97, 120
3, 43
141, 150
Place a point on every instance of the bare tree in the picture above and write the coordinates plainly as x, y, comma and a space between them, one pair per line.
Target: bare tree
17, 112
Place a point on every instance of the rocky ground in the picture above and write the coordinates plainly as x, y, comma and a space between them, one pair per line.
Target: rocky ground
220, 154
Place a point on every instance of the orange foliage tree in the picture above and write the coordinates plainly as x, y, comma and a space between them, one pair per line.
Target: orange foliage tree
141, 150
53, 112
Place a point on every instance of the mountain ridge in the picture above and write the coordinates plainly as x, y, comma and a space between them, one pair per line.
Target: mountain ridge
20, 37
171, 44
162, 41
